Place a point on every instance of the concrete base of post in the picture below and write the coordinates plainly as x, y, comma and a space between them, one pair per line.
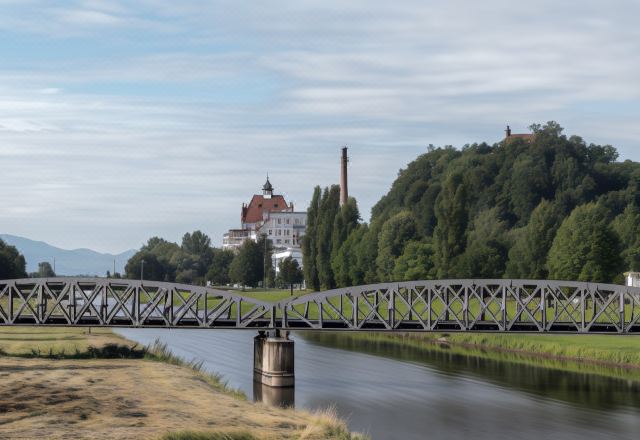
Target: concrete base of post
273, 359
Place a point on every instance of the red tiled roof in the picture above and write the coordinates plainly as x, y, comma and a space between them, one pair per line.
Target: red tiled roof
253, 212
525, 136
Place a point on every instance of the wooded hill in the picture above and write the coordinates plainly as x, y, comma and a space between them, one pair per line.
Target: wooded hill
554, 207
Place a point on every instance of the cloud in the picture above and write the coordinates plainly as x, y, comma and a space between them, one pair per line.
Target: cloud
158, 117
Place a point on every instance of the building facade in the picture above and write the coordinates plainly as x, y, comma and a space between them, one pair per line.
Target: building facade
269, 214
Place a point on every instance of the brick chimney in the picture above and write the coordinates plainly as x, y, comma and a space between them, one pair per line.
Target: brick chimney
344, 191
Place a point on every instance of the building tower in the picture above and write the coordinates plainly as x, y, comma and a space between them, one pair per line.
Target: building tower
344, 191
267, 189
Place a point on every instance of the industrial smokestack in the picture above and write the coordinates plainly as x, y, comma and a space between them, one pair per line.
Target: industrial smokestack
344, 191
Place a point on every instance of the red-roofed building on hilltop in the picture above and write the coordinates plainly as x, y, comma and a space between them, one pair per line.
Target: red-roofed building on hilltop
510, 137
269, 214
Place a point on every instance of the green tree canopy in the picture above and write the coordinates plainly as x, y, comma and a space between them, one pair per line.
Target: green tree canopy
152, 269
627, 225
247, 267
290, 272
415, 263
45, 270
585, 247
395, 233
218, 273
528, 256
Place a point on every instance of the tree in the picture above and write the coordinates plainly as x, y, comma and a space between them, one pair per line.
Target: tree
197, 247
395, 233
45, 270
247, 266
218, 273
310, 242
152, 269
528, 256
627, 226
485, 255
12, 262
329, 208
196, 243
585, 247
415, 263
290, 272
450, 232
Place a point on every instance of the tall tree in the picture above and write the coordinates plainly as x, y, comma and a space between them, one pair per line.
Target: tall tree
395, 233
585, 247
528, 255
45, 270
218, 272
247, 266
329, 208
450, 232
310, 242
487, 246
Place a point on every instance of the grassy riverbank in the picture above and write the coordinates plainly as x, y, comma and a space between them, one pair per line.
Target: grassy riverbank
608, 355
67, 383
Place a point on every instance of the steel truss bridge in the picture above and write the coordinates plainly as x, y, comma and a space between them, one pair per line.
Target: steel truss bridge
436, 305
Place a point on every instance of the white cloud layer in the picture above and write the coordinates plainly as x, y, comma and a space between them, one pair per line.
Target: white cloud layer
122, 120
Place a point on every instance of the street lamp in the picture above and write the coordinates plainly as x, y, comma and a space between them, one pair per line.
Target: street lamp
141, 270
264, 263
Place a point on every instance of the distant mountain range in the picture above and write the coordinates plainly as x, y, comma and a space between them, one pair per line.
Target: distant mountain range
68, 262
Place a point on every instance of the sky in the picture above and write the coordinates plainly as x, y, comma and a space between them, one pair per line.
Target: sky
122, 120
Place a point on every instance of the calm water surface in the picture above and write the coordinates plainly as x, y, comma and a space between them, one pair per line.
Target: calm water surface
395, 392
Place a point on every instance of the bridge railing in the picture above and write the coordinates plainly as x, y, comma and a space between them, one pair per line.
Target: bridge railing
470, 305
435, 305
117, 302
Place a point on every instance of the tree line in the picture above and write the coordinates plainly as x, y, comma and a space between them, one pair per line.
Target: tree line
552, 207
196, 261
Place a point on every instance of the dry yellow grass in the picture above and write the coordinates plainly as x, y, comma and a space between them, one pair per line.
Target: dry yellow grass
129, 398
19, 341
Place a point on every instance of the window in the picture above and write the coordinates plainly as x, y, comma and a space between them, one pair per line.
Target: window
287, 221
297, 221
270, 231
279, 221
286, 241
278, 241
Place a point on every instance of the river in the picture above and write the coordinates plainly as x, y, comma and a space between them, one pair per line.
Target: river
391, 392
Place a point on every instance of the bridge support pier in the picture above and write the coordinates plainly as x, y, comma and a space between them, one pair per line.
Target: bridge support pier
273, 359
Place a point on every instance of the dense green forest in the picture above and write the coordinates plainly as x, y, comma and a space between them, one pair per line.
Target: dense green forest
552, 207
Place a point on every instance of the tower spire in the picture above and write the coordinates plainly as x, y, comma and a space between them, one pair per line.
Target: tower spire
267, 189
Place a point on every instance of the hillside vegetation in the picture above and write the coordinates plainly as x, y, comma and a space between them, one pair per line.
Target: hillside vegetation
555, 207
